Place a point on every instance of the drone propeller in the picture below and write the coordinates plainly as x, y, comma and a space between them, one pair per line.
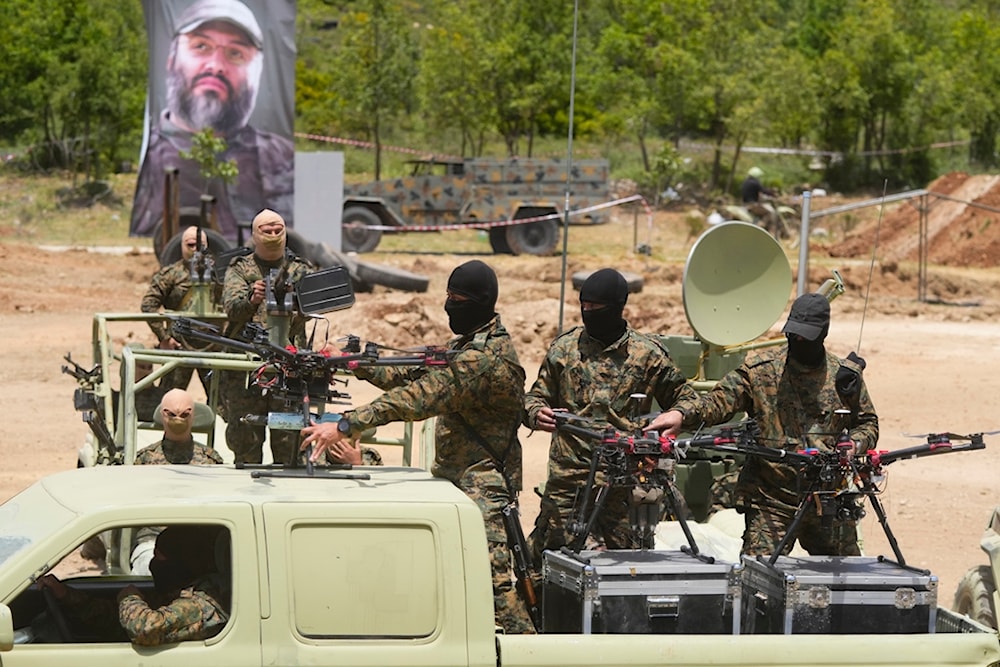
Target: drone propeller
569, 417
948, 436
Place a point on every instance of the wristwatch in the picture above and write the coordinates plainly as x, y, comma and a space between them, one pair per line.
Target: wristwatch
344, 426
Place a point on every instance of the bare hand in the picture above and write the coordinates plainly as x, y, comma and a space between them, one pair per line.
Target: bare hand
259, 289
169, 344
51, 582
345, 453
131, 589
545, 419
666, 423
322, 438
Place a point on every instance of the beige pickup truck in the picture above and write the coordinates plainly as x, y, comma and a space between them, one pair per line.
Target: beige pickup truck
373, 566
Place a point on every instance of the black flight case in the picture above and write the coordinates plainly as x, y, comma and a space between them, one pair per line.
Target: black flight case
836, 595
639, 592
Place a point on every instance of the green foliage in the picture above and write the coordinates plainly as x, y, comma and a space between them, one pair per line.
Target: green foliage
73, 77
874, 82
206, 149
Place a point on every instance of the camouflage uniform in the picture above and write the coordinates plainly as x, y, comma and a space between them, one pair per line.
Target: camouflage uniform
583, 375
795, 408
245, 440
165, 452
199, 611
169, 289
265, 162
168, 452
369, 457
481, 388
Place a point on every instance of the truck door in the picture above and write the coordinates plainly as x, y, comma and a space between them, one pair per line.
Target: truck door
350, 589
89, 633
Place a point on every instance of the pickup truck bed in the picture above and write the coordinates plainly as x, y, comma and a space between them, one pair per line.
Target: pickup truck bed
375, 566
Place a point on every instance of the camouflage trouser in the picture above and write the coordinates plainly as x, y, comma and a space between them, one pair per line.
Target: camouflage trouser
246, 441
722, 492
766, 527
611, 529
487, 488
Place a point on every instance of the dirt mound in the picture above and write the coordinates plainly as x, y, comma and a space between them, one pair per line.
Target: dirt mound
962, 226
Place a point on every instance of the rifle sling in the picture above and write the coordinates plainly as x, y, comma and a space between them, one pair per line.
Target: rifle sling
501, 462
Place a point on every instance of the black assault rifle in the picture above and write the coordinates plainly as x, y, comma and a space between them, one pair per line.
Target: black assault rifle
644, 463
86, 401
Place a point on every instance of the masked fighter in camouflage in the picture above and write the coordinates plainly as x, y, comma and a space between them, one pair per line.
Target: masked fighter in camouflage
478, 399
170, 289
191, 600
593, 371
801, 397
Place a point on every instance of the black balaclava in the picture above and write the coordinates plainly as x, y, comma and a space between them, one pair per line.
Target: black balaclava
171, 573
607, 287
806, 329
478, 283
809, 353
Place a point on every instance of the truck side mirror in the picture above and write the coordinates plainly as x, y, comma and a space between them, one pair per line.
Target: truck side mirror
6, 628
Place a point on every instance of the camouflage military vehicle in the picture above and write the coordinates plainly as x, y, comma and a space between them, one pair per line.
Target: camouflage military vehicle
478, 190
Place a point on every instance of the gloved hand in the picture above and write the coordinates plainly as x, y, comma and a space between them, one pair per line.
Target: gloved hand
848, 381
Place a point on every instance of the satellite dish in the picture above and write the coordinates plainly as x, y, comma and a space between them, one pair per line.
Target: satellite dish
737, 281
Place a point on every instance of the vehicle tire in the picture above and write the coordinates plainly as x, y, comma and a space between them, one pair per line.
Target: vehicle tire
633, 280
498, 240
391, 276
172, 251
355, 233
974, 596
189, 215
534, 238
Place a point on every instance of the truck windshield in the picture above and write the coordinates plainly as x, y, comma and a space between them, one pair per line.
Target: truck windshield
27, 517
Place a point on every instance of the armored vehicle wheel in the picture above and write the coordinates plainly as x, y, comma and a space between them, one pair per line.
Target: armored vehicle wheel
498, 240
534, 238
355, 233
187, 216
974, 596
391, 276
172, 251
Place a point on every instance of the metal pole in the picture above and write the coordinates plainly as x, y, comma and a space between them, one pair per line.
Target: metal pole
569, 171
804, 245
923, 251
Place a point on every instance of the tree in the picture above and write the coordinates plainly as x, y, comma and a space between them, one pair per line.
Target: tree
66, 92
206, 149
373, 70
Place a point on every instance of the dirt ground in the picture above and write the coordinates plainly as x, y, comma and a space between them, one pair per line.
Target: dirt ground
932, 365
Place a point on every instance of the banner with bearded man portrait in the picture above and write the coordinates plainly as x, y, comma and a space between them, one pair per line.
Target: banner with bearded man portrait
228, 65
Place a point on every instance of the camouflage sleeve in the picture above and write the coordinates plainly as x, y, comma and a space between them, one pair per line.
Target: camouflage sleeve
440, 390
865, 432
370, 456
236, 292
672, 387
542, 392
193, 615
730, 396
387, 377
153, 300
